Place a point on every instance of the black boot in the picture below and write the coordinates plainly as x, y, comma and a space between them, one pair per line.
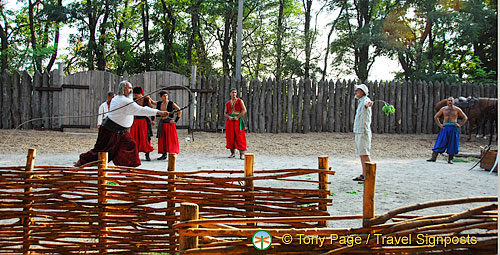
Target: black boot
450, 158
163, 156
434, 156
147, 156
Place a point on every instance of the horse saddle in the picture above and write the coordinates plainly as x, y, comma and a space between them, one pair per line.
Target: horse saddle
466, 102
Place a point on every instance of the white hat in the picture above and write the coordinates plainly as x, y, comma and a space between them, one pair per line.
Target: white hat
362, 87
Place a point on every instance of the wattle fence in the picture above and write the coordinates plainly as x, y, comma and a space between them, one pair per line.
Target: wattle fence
121, 210
60, 102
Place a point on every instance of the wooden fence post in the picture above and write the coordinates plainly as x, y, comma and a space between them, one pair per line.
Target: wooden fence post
323, 185
28, 202
369, 193
249, 188
189, 211
102, 200
172, 157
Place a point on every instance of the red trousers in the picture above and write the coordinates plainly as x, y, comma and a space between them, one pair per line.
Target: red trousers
120, 147
139, 132
168, 142
235, 138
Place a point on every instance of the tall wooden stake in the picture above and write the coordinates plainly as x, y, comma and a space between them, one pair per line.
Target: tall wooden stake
249, 187
369, 193
28, 204
102, 194
172, 158
189, 211
323, 185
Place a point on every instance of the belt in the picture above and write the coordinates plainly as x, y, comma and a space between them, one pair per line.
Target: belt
113, 127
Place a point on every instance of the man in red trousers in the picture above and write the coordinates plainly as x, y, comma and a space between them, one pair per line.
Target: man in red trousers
168, 142
235, 125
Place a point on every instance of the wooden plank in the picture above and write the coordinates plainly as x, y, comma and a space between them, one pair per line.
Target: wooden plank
352, 104
420, 105
331, 106
425, 116
269, 102
324, 105
218, 100
346, 106
306, 111
7, 100
57, 81
397, 114
284, 101
35, 100
289, 106
274, 100
295, 107
430, 108
403, 110
25, 97
246, 100
262, 106
339, 109
378, 122
15, 108
255, 105
314, 104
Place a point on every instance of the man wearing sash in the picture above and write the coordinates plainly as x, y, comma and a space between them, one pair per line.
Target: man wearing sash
168, 141
113, 136
235, 125
448, 138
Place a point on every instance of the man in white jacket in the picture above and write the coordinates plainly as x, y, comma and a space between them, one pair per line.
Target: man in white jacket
104, 108
362, 130
113, 136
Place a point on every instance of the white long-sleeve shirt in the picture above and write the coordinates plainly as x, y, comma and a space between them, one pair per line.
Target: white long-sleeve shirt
124, 116
103, 112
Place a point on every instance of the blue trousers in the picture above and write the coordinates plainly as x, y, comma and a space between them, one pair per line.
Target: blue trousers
447, 140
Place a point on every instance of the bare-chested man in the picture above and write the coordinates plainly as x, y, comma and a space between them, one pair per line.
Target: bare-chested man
448, 138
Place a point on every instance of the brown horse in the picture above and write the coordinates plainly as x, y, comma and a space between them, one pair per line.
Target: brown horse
478, 110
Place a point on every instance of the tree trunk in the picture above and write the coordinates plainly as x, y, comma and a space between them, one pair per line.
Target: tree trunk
145, 28
37, 62
307, 35
5, 45
279, 34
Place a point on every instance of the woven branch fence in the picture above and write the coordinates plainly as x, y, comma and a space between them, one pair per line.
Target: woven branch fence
118, 210
474, 231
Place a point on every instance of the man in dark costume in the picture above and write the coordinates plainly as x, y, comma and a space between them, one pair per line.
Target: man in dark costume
113, 136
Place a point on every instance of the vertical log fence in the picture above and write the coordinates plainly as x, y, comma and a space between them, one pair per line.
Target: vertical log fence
273, 106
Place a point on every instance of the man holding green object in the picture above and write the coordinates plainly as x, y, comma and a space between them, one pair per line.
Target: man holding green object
362, 130
235, 125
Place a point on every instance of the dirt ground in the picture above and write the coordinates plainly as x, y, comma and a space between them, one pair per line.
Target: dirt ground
314, 144
403, 176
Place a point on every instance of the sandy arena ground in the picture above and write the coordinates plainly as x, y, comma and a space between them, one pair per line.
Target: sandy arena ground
403, 175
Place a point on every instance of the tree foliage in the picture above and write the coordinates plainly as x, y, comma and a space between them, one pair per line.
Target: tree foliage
432, 39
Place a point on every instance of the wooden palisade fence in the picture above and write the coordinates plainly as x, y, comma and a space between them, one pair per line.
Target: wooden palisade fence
62, 210
273, 106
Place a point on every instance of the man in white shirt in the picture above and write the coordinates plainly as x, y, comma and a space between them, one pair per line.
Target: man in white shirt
104, 108
113, 136
362, 130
